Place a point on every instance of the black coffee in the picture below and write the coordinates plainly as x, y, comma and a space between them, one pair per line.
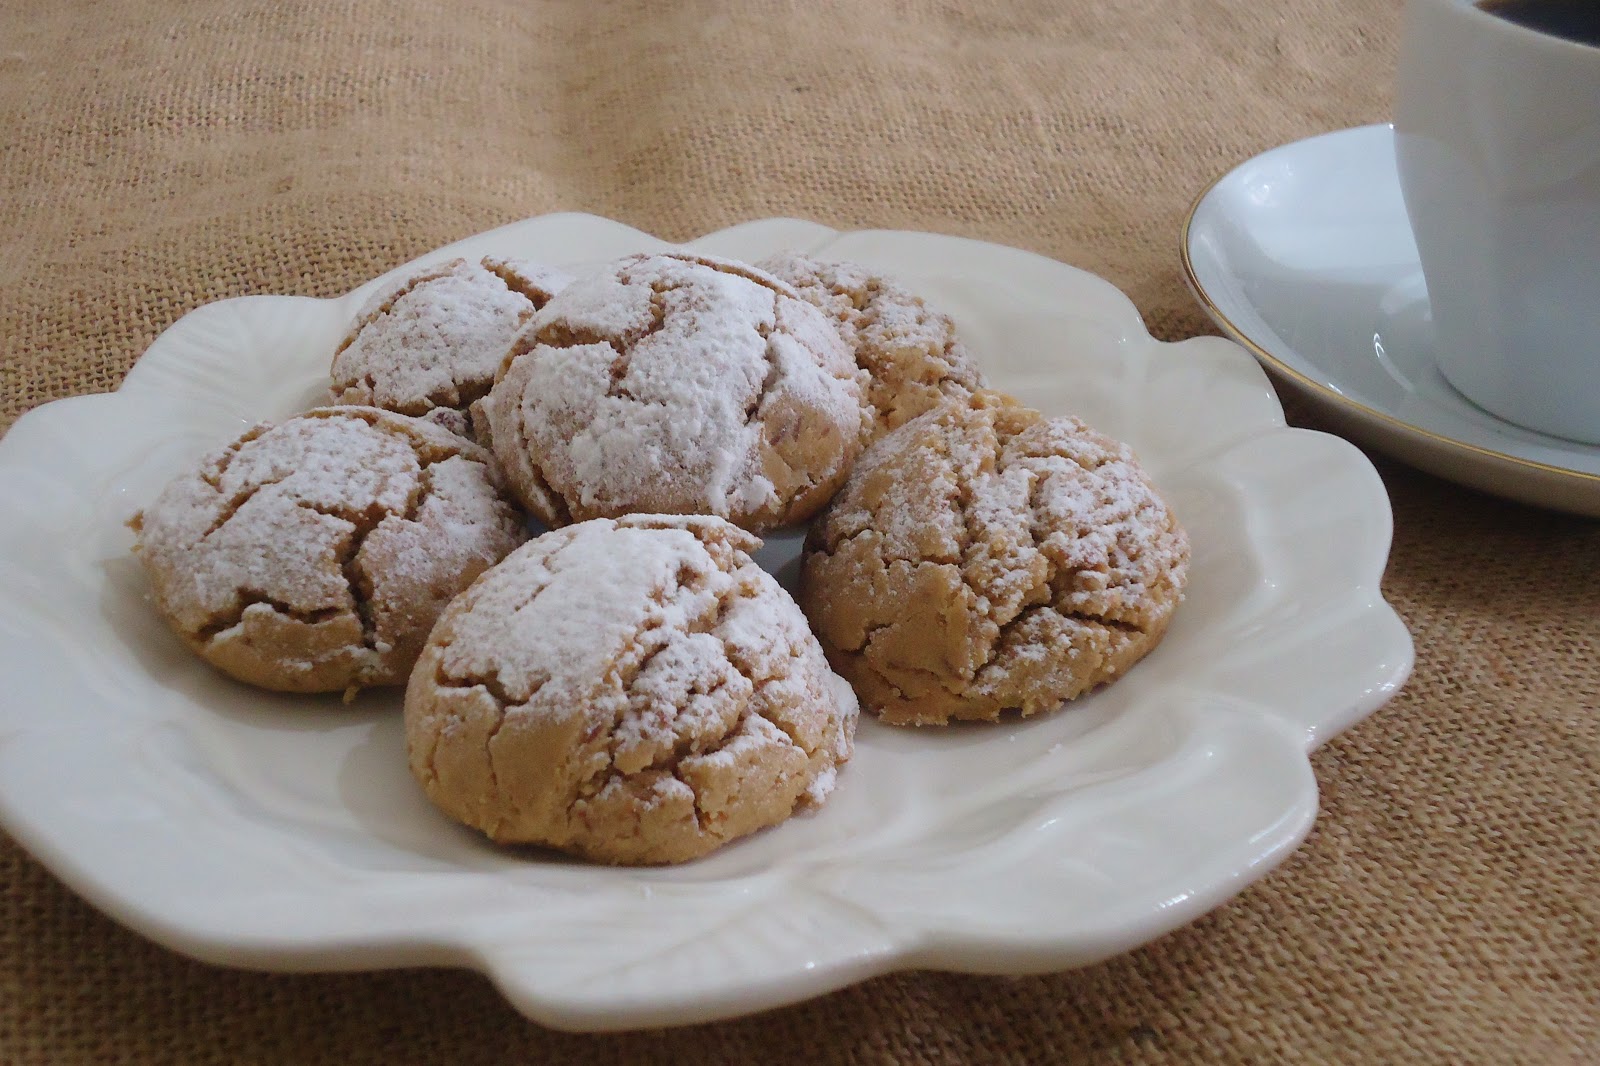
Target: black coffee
1576, 20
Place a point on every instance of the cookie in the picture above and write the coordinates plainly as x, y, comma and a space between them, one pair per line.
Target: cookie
909, 350
430, 345
633, 691
677, 384
315, 555
983, 558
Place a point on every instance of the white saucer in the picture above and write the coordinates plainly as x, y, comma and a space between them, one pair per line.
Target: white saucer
1304, 255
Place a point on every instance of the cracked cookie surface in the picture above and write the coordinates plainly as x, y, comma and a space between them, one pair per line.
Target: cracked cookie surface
677, 384
984, 558
429, 346
633, 691
315, 555
909, 351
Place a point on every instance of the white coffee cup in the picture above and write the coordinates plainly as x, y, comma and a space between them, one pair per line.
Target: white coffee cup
1497, 131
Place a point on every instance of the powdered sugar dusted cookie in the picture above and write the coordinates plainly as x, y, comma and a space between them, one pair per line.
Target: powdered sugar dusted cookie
634, 690
909, 350
315, 555
677, 384
983, 558
430, 345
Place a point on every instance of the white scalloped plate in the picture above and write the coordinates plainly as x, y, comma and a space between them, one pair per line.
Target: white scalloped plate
250, 829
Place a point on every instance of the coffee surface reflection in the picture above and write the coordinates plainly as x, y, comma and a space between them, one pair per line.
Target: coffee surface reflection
1576, 20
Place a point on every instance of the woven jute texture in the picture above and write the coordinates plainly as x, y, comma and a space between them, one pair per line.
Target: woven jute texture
157, 156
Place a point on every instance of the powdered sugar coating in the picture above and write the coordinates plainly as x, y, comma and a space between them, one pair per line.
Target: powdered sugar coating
909, 351
314, 555
634, 690
984, 558
430, 345
677, 384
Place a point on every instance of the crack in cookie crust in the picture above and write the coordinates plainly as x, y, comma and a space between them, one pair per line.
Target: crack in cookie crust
985, 559
634, 691
314, 555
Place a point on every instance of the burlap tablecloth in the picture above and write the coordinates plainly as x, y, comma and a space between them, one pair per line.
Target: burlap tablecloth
157, 156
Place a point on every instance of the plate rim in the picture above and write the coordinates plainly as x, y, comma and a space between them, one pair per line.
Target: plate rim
1318, 389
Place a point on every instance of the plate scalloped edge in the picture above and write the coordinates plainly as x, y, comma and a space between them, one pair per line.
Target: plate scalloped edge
1081, 835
